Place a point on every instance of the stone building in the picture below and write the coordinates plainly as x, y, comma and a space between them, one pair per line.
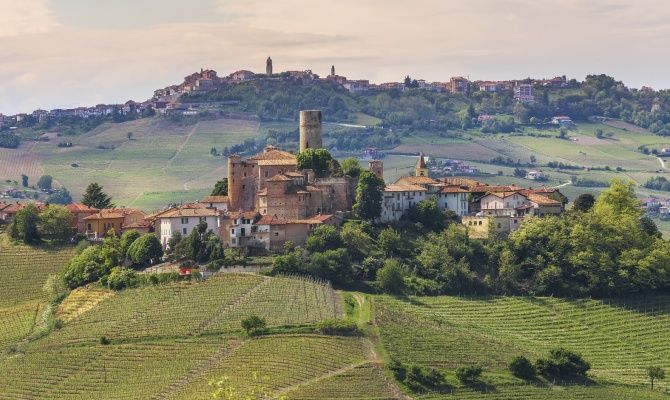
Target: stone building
311, 133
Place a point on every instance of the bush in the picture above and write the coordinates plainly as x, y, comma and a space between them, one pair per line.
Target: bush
563, 364
419, 378
521, 367
399, 370
469, 375
338, 327
104, 340
121, 278
391, 278
253, 325
146, 249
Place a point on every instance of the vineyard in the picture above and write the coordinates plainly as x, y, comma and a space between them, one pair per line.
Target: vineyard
619, 338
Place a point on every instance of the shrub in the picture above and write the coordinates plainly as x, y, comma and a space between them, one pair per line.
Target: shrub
521, 367
391, 278
419, 378
104, 340
399, 370
253, 325
146, 249
121, 278
338, 327
469, 375
562, 364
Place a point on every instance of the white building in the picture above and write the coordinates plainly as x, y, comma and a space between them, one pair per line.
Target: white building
185, 220
218, 202
524, 92
536, 175
503, 203
398, 199
453, 198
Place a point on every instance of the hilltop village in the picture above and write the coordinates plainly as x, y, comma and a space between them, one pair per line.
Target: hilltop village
270, 201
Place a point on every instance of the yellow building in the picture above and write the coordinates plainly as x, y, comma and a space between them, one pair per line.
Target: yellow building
98, 224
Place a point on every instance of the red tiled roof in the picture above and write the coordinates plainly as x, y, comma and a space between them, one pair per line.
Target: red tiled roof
81, 208
404, 188
215, 199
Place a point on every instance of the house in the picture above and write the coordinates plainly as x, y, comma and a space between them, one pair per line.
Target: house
454, 198
503, 203
562, 121
536, 175
482, 226
458, 85
238, 229
184, 219
241, 76
79, 212
398, 199
524, 92
118, 219
218, 202
8, 211
273, 232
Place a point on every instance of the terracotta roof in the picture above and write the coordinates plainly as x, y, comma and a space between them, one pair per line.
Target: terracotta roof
138, 224
189, 212
453, 189
416, 180
215, 199
404, 188
112, 213
279, 178
13, 208
294, 174
543, 200
80, 208
502, 195
273, 156
495, 189
462, 182
242, 214
316, 219
271, 220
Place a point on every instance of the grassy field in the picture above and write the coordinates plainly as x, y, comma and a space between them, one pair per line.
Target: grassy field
619, 338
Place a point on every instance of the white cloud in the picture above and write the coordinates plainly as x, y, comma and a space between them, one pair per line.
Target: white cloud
19, 17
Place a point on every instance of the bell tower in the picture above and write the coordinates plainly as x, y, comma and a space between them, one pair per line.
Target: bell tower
421, 169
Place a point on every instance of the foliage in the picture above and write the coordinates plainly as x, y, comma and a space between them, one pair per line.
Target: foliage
428, 214
24, 180
24, 226
562, 364
45, 182
369, 194
95, 197
357, 241
127, 238
320, 161
56, 223
469, 375
391, 277
390, 242
253, 324
351, 167
521, 367
220, 188
61, 196
324, 237
332, 265
9, 140
658, 183
584, 202
338, 327
655, 373
121, 278
145, 250
89, 266
201, 245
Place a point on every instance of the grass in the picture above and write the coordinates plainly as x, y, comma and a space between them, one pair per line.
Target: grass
619, 339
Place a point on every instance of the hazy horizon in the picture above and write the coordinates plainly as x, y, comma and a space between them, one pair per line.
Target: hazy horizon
71, 53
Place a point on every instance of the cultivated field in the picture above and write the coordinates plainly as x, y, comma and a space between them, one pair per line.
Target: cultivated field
619, 338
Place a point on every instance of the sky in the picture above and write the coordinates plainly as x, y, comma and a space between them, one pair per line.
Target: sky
68, 53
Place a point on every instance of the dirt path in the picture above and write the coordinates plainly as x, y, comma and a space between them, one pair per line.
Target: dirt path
182, 144
660, 160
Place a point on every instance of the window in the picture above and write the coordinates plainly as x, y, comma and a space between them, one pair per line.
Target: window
89, 227
232, 231
266, 174
184, 231
184, 221
244, 187
276, 233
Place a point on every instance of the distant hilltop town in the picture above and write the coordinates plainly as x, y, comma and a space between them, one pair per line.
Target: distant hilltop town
166, 100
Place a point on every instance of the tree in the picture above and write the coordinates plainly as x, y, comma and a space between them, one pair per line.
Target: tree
469, 375
221, 188
56, 223
129, 135
324, 237
95, 197
127, 239
253, 324
584, 202
318, 160
351, 167
45, 182
563, 364
146, 249
654, 373
389, 241
391, 277
428, 213
521, 367
62, 197
24, 180
369, 195
24, 227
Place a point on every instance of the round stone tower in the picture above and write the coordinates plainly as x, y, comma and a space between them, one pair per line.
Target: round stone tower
310, 130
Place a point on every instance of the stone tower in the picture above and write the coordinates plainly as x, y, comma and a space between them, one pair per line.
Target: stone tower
268, 66
332, 70
421, 169
377, 168
310, 130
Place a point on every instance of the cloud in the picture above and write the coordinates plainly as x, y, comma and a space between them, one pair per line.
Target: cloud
25, 17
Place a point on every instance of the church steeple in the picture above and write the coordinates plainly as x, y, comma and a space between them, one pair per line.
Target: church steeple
421, 169
332, 70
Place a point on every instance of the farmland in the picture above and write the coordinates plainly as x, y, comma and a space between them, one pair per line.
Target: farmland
618, 337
